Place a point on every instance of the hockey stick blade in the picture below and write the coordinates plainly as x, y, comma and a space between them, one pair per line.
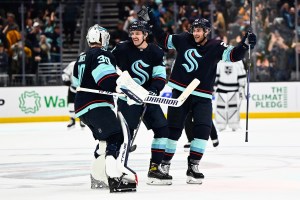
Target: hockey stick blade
188, 90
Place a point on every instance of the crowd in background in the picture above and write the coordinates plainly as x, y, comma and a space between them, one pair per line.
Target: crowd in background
274, 58
42, 40
274, 22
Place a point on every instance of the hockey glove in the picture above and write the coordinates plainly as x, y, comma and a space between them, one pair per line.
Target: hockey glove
251, 40
147, 15
143, 14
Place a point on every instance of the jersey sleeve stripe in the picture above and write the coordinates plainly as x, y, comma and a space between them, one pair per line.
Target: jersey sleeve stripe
105, 77
227, 54
159, 71
170, 44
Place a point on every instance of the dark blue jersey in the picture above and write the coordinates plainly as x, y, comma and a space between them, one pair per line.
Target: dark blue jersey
95, 69
145, 66
196, 61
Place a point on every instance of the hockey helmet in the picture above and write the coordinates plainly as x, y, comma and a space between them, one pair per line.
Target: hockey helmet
139, 26
201, 23
99, 35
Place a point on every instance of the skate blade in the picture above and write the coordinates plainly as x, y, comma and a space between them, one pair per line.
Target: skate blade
116, 190
191, 180
99, 186
155, 181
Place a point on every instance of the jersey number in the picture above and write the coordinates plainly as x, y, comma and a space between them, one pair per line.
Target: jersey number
81, 69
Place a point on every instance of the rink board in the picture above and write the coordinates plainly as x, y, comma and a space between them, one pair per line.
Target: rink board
34, 104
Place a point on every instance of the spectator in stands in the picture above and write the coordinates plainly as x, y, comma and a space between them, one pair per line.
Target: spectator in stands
3, 65
287, 15
49, 25
119, 34
34, 36
11, 24
131, 18
184, 25
3, 38
70, 15
279, 51
17, 53
45, 49
55, 45
3, 59
263, 67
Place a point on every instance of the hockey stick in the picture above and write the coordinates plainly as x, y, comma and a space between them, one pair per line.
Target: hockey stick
133, 147
149, 98
248, 76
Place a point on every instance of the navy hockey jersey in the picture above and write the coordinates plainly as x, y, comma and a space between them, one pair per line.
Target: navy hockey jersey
196, 61
145, 66
95, 69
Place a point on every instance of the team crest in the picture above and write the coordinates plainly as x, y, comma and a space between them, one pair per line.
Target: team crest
137, 68
190, 55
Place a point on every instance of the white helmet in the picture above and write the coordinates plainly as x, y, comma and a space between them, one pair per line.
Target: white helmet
99, 35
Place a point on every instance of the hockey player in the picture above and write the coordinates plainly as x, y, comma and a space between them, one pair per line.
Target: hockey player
144, 62
230, 82
96, 69
67, 80
197, 57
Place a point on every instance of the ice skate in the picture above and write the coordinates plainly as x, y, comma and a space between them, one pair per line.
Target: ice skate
82, 125
71, 123
121, 185
96, 184
165, 166
215, 142
156, 175
193, 174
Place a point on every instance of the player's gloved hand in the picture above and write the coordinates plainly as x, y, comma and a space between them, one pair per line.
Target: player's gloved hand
250, 42
147, 15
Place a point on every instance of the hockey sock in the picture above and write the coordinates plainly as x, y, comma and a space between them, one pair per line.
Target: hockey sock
174, 135
197, 148
158, 149
170, 150
159, 144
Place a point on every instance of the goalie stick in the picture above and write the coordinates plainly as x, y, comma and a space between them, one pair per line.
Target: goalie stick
150, 98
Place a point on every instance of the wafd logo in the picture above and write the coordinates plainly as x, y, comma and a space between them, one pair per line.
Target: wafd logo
30, 102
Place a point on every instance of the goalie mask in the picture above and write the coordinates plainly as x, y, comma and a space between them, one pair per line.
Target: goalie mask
99, 35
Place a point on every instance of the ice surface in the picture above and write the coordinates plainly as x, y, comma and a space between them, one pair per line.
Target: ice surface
47, 161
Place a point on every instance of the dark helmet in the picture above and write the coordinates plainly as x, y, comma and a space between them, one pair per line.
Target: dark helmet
139, 26
201, 23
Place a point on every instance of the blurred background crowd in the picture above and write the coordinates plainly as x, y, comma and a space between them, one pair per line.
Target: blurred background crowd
38, 38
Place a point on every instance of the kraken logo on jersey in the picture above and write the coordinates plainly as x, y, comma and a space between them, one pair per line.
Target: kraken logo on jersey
228, 70
192, 63
137, 68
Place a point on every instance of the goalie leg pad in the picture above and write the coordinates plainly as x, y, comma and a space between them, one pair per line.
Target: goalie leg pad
98, 175
221, 113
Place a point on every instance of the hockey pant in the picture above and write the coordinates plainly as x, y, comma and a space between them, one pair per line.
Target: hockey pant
227, 110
